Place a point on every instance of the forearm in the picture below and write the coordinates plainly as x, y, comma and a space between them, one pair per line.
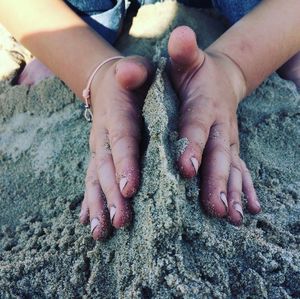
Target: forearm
263, 40
57, 37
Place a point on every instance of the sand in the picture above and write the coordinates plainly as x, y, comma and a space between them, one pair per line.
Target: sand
172, 249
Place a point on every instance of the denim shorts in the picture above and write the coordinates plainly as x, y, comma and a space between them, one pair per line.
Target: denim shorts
106, 16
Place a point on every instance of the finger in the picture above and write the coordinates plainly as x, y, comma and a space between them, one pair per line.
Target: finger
84, 211
234, 189
194, 124
249, 191
195, 113
98, 213
215, 171
125, 122
119, 208
124, 138
183, 50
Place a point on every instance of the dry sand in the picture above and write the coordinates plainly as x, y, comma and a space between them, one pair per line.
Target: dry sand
172, 249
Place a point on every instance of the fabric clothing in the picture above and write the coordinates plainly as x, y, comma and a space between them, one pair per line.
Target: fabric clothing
234, 10
106, 16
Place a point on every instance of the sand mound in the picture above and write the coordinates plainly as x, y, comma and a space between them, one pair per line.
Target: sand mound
172, 250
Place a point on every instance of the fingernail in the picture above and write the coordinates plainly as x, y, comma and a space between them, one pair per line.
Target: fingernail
123, 183
112, 213
224, 200
94, 223
239, 209
195, 164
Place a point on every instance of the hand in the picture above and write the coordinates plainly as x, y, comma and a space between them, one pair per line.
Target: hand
210, 86
113, 171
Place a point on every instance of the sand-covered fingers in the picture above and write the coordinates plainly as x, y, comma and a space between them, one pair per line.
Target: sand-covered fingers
234, 188
119, 208
94, 203
249, 190
124, 137
195, 113
194, 124
122, 105
210, 86
215, 171
103, 205
116, 97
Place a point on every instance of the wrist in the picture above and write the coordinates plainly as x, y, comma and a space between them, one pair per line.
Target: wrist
97, 75
233, 72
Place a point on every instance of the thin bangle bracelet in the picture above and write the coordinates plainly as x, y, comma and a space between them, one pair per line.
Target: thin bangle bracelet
86, 93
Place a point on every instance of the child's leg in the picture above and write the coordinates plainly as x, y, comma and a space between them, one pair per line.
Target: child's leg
291, 70
103, 16
233, 10
33, 73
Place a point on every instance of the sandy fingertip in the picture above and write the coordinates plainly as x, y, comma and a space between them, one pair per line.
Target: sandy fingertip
94, 223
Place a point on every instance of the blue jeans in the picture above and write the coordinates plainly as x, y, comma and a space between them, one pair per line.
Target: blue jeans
106, 16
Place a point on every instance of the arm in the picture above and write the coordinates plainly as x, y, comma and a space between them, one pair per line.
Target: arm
57, 37
262, 40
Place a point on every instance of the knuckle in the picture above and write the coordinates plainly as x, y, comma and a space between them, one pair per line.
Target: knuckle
116, 137
196, 99
199, 146
219, 149
91, 180
123, 136
235, 194
101, 161
194, 124
244, 169
220, 178
243, 164
126, 111
196, 111
124, 159
236, 167
109, 190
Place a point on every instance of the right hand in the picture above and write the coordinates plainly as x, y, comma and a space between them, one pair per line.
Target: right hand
210, 86
112, 177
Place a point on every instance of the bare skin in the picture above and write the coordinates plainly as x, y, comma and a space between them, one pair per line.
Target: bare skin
117, 92
291, 70
209, 83
33, 73
114, 143
209, 122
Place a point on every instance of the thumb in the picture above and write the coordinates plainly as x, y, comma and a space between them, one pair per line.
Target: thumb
133, 72
183, 49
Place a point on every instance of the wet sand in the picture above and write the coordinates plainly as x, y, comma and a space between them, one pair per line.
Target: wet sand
172, 249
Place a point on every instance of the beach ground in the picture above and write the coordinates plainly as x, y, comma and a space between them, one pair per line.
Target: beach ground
172, 249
